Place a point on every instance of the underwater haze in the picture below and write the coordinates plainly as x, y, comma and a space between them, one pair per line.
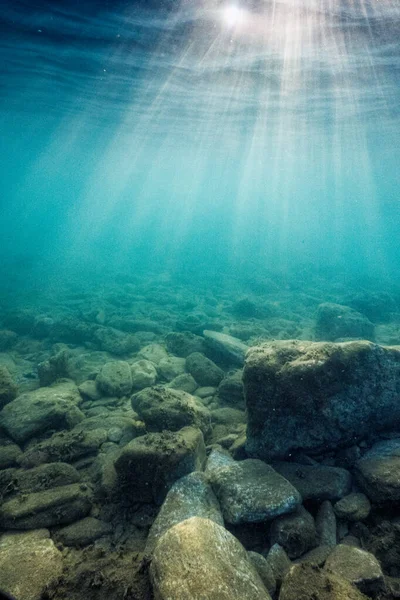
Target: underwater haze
200, 138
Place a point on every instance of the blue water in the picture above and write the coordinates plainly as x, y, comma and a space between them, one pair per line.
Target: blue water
200, 137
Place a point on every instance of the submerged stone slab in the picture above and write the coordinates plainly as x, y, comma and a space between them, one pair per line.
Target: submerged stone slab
251, 491
200, 560
47, 408
314, 396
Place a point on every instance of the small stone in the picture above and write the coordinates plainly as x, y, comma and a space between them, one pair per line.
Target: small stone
204, 370
184, 382
171, 367
83, 532
264, 570
89, 390
279, 562
144, 374
326, 525
226, 347
354, 507
155, 353
205, 392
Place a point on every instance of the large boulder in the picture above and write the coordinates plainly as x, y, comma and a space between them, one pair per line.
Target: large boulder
307, 582
310, 396
32, 413
250, 491
190, 496
29, 563
149, 465
335, 321
199, 559
165, 408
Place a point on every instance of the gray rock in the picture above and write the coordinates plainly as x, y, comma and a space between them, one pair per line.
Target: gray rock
8, 388
116, 342
315, 557
83, 532
326, 525
231, 391
378, 472
264, 570
144, 374
316, 482
225, 347
184, 382
65, 446
205, 392
38, 479
354, 507
335, 321
148, 466
10, 454
250, 491
48, 408
296, 532
89, 390
129, 427
184, 343
8, 339
214, 563
56, 367
115, 379
279, 562
307, 582
190, 496
358, 567
163, 408
29, 564
154, 353
56, 506
306, 396
170, 367
204, 370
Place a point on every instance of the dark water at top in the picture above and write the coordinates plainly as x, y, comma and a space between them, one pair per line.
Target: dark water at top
203, 138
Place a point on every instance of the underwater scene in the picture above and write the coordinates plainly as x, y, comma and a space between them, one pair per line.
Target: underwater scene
200, 300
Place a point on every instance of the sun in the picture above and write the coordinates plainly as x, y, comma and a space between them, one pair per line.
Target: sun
233, 15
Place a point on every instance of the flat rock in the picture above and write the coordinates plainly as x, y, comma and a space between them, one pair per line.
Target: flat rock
149, 465
201, 560
54, 407
251, 491
190, 496
226, 347
83, 532
310, 583
164, 408
29, 563
316, 482
378, 472
56, 506
357, 566
314, 396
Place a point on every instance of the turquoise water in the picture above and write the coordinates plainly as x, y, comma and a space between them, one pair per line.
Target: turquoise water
200, 138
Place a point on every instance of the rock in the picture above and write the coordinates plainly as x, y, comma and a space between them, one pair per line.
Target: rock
184, 382
116, 342
378, 472
225, 347
47, 408
155, 353
354, 507
296, 532
148, 466
204, 370
65, 446
10, 454
190, 496
128, 427
184, 343
171, 367
38, 479
279, 562
326, 525
377, 306
228, 416
115, 379
230, 390
309, 397
8, 389
205, 392
83, 532
250, 491
318, 482
315, 557
357, 567
310, 583
7, 339
264, 570
144, 374
56, 506
162, 408
335, 322
89, 390
56, 367
29, 564
200, 559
